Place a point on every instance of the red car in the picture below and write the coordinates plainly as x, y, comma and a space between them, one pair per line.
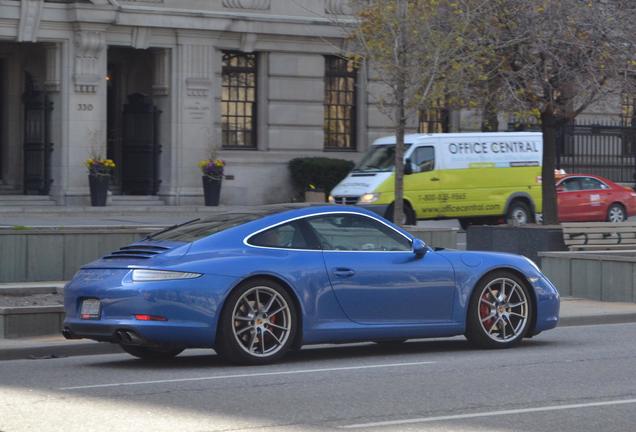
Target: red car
590, 198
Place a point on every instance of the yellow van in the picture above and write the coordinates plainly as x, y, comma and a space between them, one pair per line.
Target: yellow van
470, 176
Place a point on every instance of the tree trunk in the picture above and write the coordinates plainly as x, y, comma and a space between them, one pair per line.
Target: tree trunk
549, 126
400, 117
490, 121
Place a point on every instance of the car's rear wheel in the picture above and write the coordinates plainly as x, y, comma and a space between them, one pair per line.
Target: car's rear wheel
148, 353
616, 213
500, 311
258, 323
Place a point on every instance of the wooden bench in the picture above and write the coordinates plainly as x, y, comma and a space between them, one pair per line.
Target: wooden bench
599, 235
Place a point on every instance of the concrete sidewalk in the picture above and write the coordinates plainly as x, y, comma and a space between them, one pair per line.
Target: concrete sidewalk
574, 312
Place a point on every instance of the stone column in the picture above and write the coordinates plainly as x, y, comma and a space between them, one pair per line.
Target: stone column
162, 97
53, 87
86, 108
194, 117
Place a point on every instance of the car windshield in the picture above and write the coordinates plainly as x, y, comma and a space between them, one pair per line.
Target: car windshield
378, 158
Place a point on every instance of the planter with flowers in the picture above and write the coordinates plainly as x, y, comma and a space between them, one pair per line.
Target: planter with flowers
212, 170
99, 171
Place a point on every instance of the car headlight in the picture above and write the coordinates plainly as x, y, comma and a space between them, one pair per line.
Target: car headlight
144, 275
369, 198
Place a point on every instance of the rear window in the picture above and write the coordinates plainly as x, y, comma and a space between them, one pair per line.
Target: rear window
198, 229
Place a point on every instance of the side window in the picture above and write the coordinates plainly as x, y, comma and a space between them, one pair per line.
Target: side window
424, 159
589, 183
349, 232
287, 236
571, 184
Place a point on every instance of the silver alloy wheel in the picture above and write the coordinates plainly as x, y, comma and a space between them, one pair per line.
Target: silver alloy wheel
503, 310
519, 216
261, 321
616, 213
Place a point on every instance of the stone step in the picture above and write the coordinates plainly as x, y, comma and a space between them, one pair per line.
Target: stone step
24, 198
26, 201
135, 201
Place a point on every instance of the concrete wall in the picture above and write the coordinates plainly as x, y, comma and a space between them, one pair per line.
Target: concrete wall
605, 275
56, 254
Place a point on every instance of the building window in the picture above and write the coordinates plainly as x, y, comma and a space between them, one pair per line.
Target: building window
340, 103
238, 100
433, 120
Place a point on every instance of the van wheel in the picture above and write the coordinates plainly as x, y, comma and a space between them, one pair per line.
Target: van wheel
519, 214
409, 215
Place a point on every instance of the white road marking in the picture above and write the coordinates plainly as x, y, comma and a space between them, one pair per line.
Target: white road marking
248, 375
489, 414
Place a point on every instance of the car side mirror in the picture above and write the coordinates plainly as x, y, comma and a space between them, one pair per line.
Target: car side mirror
560, 189
408, 167
419, 247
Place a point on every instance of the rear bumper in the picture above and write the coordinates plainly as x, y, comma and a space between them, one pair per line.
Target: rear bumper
133, 332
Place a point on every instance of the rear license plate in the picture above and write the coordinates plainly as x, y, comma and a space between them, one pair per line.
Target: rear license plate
90, 309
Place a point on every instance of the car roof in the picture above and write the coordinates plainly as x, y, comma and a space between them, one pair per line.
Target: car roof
415, 138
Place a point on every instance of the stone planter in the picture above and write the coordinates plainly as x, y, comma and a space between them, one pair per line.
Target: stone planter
314, 197
526, 240
27, 321
99, 189
211, 190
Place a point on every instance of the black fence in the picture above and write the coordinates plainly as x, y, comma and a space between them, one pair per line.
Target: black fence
604, 149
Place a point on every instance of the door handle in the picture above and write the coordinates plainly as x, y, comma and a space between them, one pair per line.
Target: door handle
343, 272
434, 179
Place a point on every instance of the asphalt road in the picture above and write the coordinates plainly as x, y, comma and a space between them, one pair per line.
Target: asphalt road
568, 379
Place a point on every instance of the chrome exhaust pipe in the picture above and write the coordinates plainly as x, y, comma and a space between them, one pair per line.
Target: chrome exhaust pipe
127, 337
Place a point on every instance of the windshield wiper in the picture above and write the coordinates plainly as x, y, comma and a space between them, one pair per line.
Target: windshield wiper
170, 228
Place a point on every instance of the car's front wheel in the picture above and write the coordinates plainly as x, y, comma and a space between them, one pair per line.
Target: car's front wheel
147, 353
616, 213
500, 311
258, 323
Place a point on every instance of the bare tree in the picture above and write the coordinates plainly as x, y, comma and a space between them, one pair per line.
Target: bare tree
421, 51
553, 59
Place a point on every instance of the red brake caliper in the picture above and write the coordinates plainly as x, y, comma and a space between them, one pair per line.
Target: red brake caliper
484, 312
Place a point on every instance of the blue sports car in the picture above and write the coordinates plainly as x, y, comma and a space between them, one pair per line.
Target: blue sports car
253, 285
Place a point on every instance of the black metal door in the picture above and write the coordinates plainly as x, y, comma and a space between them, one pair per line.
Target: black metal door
37, 142
141, 149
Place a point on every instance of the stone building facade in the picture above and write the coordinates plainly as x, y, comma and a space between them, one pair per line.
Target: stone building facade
157, 84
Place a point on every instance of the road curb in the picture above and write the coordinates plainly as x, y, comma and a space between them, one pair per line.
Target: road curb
597, 319
58, 350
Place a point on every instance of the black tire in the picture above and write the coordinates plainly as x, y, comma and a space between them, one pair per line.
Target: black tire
519, 213
147, 353
616, 213
409, 214
496, 322
236, 337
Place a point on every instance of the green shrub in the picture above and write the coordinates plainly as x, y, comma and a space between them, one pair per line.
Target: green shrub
320, 172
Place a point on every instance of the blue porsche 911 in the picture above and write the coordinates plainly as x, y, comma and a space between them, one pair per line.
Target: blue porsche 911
253, 285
